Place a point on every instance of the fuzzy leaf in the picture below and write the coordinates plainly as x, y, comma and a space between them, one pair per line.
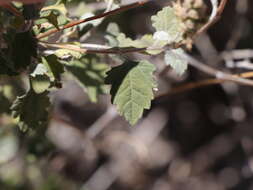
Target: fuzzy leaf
177, 60
167, 21
131, 90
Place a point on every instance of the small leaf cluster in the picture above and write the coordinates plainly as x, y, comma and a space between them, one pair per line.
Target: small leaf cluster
40, 64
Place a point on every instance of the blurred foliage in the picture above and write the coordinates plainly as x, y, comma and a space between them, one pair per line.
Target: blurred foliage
58, 134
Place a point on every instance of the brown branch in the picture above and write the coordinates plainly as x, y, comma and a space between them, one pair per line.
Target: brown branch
74, 23
221, 8
201, 84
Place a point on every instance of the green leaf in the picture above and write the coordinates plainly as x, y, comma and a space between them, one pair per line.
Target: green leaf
89, 73
57, 7
53, 19
54, 69
31, 110
40, 83
177, 60
39, 70
62, 53
168, 25
54, 14
21, 50
147, 41
113, 29
132, 88
112, 32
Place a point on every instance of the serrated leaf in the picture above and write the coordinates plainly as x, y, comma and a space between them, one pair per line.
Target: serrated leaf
89, 73
167, 21
132, 88
54, 69
177, 60
31, 110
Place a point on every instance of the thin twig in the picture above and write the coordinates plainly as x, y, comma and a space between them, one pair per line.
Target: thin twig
94, 48
217, 73
200, 84
213, 19
74, 23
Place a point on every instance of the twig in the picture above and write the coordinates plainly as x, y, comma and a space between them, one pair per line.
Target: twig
237, 54
191, 60
217, 73
94, 48
199, 84
74, 23
215, 16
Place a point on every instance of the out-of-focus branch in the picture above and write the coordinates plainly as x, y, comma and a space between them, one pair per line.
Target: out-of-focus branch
144, 135
217, 73
237, 54
200, 84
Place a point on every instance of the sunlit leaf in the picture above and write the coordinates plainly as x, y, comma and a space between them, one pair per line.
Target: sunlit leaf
166, 21
132, 86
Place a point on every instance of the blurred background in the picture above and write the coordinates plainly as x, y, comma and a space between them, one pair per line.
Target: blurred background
189, 140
